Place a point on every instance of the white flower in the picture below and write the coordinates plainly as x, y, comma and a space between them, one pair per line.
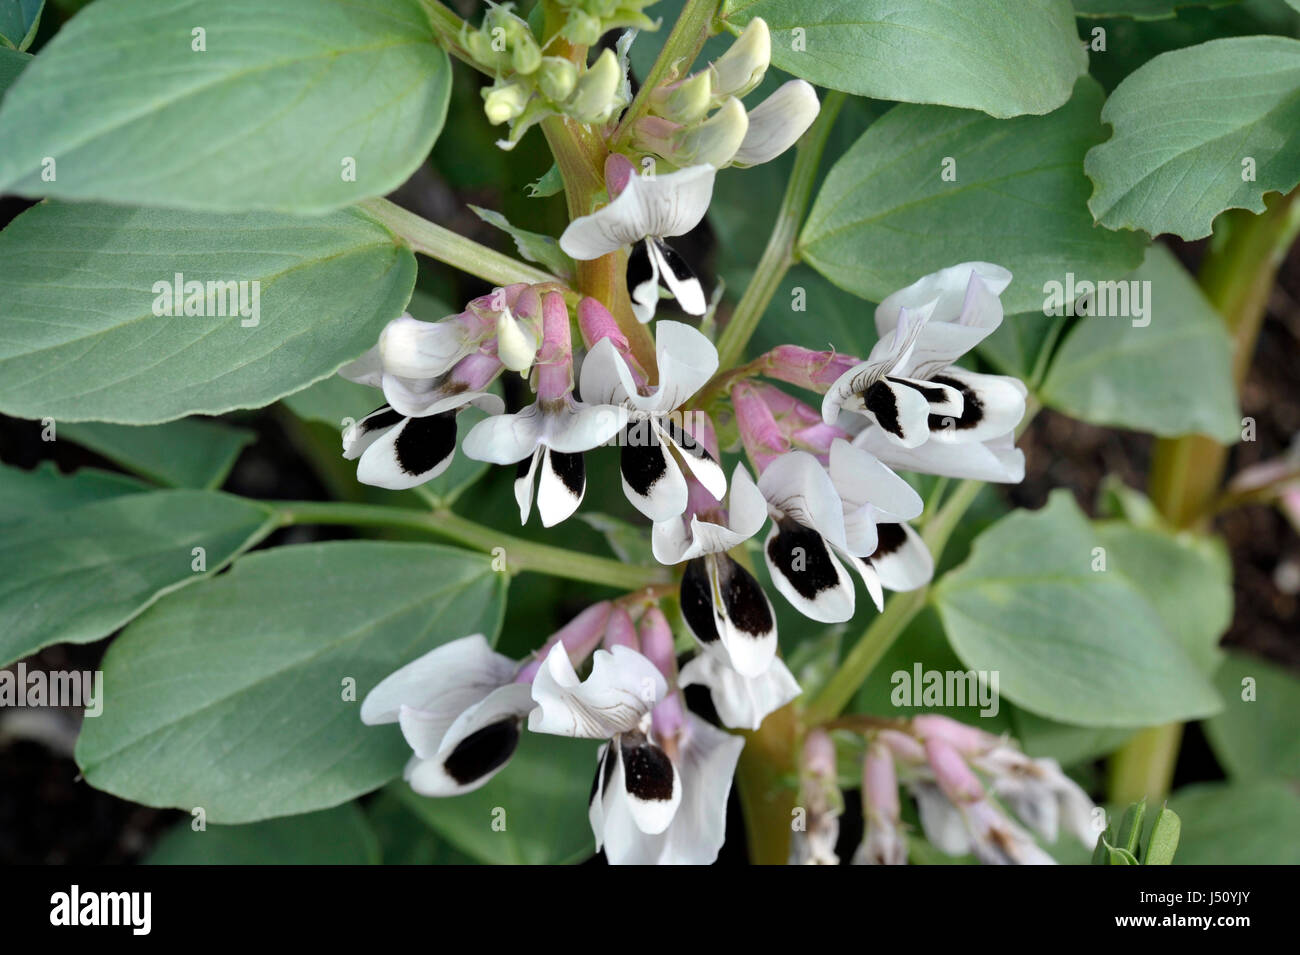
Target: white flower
777, 123
653, 441
410, 348
648, 210
620, 692
742, 702
1039, 793
629, 772
997, 459
459, 709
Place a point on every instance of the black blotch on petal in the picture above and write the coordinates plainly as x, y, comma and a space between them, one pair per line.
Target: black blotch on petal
972, 412
524, 466
686, 442
891, 539
801, 555
642, 458
882, 404
932, 395
743, 599
647, 771
425, 442
697, 601
482, 751
570, 470
381, 417
639, 268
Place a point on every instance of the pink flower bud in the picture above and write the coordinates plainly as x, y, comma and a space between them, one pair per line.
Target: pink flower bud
618, 172
904, 747
957, 780
620, 632
964, 738
759, 431
818, 755
580, 637
596, 323
880, 782
814, 370
554, 361
475, 372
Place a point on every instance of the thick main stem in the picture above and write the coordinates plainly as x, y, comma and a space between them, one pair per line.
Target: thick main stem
1237, 276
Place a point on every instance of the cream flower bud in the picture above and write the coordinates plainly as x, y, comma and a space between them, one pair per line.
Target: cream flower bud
504, 103
556, 78
714, 141
596, 95
686, 102
525, 55
742, 67
516, 347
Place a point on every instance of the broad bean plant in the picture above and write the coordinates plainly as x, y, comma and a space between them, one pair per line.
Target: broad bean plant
654, 380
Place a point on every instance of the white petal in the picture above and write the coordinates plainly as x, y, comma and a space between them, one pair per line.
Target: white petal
994, 460
797, 486
506, 438
940, 820
809, 575
445, 681
697, 460
652, 479
727, 611
907, 567
622, 688
419, 398
673, 543
648, 206
706, 764
742, 702
870, 579
861, 479
777, 123
409, 454
561, 487
679, 278
366, 370
631, 828
995, 404
362, 434
686, 359
411, 348
476, 747
524, 486
950, 290
643, 280
580, 427
605, 378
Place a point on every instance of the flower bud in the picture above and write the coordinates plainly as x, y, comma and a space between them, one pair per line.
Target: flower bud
777, 123
742, 67
556, 78
504, 103
582, 29
525, 55
595, 96
685, 102
516, 347
713, 141
410, 348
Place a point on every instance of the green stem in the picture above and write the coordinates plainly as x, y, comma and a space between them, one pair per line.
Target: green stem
447, 28
682, 46
1237, 275
898, 613
520, 555
446, 246
779, 254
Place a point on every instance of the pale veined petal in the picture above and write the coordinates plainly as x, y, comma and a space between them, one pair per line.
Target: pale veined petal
725, 608
658, 206
407, 455
580, 427
997, 459
524, 475
992, 405
777, 123
506, 438
643, 280
941, 821
678, 277
950, 290
807, 573
474, 748
706, 764
672, 541
445, 682
686, 360
742, 702
901, 559
420, 398
561, 486
652, 479
605, 377
368, 430
943, 398
414, 349
622, 688
696, 458
861, 479
366, 370
870, 579
797, 486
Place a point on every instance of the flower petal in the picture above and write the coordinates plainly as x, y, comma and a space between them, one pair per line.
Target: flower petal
652, 479
445, 682
413, 452
797, 486
415, 349
366, 370
686, 360
561, 487
605, 378
901, 558
807, 573
994, 460
725, 608
577, 427
992, 405
524, 483
368, 430
643, 280
742, 702
678, 277
701, 464
420, 398
869, 490
954, 301
648, 206
777, 123
506, 438
622, 688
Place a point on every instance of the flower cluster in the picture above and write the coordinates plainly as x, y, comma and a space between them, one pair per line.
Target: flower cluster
821, 481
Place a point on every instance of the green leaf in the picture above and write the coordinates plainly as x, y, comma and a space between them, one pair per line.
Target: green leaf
1111, 371
1255, 735
1129, 837
1005, 57
534, 812
243, 696
550, 184
44, 490
1174, 164
1142, 9
1071, 643
339, 836
11, 64
334, 401
190, 452
1163, 842
542, 249
1065, 743
78, 574
1255, 823
885, 216
83, 341
268, 115
1118, 855
19, 21
630, 543
1018, 345
404, 839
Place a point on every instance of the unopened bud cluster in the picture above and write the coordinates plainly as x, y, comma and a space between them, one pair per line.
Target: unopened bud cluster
588, 20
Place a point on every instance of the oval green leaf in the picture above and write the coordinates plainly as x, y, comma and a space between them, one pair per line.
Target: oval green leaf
189, 452
285, 301
243, 696
297, 105
339, 836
